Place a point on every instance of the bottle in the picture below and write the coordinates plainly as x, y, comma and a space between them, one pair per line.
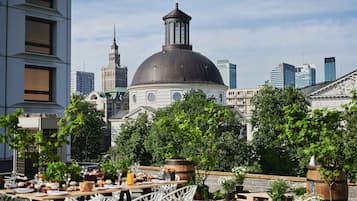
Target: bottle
130, 178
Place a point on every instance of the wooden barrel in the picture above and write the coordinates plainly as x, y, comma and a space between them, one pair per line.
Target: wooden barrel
183, 168
316, 184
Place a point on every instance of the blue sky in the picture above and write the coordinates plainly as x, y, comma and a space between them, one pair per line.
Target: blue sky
256, 35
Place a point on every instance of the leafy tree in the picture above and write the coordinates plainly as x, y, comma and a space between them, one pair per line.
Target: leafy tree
350, 137
196, 128
35, 146
273, 154
328, 135
129, 143
84, 124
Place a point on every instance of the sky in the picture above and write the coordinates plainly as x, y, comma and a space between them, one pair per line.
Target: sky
256, 35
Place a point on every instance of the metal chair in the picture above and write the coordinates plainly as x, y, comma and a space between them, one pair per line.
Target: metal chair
99, 197
164, 189
185, 193
154, 196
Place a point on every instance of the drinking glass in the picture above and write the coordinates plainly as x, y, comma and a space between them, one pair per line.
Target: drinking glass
38, 181
67, 178
162, 172
119, 174
84, 172
136, 168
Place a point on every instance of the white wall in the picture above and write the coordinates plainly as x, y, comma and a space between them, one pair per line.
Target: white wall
163, 93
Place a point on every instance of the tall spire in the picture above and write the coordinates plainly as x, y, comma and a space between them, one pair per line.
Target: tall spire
114, 35
177, 4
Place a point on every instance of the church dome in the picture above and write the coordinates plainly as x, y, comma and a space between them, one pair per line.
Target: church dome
177, 63
177, 66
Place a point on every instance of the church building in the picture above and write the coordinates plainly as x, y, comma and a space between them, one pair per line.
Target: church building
166, 76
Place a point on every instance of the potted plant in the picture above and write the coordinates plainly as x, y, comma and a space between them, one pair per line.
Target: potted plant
328, 136
55, 171
228, 186
278, 189
239, 176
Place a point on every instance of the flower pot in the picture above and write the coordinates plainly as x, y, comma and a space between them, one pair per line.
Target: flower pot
86, 186
239, 188
182, 167
228, 196
315, 184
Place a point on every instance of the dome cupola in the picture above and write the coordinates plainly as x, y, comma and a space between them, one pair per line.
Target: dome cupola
177, 63
177, 30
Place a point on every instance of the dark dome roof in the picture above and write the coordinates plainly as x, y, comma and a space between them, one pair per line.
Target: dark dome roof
177, 14
177, 66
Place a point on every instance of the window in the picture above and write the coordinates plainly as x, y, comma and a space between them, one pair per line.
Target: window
37, 84
38, 35
151, 97
172, 32
177, 96
182, 33
177, 33
134, 98
42, 3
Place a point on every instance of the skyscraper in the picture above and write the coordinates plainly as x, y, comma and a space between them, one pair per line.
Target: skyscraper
305, 75
82, 82
330, 69
114, 75
283, 76
228, 72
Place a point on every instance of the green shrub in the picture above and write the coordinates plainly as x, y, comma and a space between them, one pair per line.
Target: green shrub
278, 189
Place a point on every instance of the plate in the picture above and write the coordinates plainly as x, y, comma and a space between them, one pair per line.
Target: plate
144, 182
110, 186
100, 188
39, 194
23, 190
54, 192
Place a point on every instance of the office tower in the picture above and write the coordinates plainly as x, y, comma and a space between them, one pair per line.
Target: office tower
240, 99
330, 69
35, 50
82, 82
114, 75
228, 72
305, 75
283, 76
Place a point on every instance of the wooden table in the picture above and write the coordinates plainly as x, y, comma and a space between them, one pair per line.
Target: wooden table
263, 196
256, 196
31, 196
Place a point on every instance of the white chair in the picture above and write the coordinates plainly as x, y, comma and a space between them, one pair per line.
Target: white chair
154, 196
185, 193
98, 197
164, 189
70, 199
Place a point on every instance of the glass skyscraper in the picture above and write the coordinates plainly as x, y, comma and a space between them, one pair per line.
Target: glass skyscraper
283, 76
228, 72
82, 82
330, 69
305, 75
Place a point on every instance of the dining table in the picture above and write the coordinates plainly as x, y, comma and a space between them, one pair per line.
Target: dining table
123, 189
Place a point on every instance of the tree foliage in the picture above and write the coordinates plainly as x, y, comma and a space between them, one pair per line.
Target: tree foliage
28, 144
129, 143
84, 124
196, 128
273, 154
328, 135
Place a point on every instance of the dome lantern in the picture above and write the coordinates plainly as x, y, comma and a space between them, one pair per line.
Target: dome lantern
177, 30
